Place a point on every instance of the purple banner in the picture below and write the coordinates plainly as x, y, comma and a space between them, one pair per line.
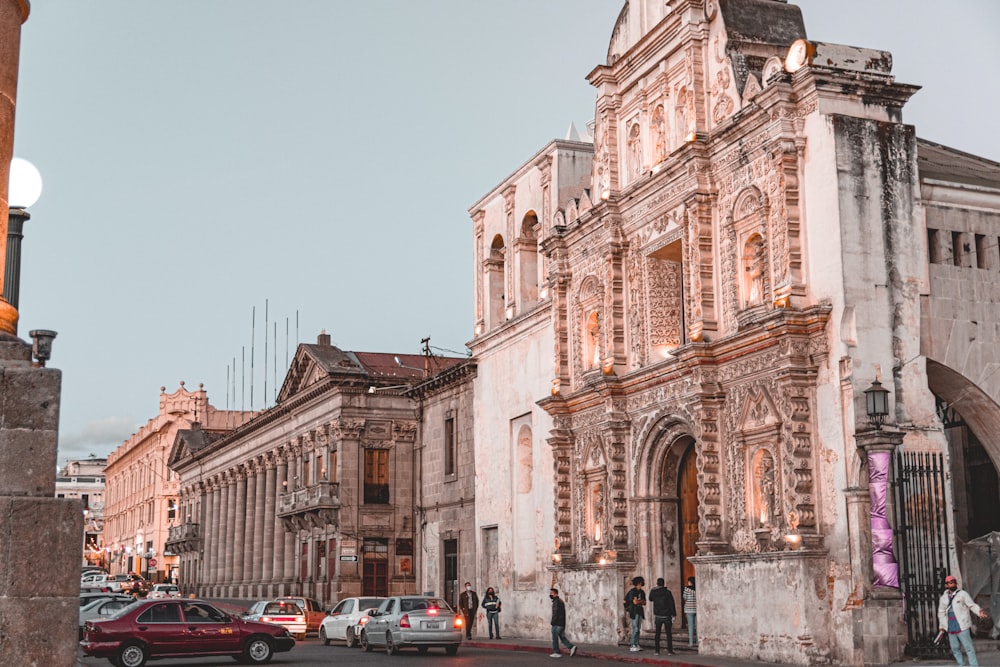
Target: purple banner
884, 565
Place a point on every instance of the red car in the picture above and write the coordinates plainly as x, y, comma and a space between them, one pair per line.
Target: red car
180, 629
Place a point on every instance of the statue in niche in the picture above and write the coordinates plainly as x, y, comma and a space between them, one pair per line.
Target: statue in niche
755, 259
765, 483
593, 340
598, 513
658, 130
634, 152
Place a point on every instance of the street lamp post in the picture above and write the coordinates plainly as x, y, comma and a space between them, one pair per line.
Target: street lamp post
25, 187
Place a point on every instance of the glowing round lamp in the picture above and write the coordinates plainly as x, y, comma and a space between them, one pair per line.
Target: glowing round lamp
25, 186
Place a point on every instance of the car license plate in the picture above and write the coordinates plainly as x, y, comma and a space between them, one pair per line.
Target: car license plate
432, 626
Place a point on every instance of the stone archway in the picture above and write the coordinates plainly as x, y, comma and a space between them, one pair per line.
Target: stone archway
971, 421
667, 494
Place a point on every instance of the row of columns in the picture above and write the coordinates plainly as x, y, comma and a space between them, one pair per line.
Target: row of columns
243, 540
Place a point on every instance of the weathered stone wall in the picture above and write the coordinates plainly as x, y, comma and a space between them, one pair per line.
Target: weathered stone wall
733, 613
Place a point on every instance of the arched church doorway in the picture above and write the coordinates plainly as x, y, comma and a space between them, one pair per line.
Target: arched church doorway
687, 510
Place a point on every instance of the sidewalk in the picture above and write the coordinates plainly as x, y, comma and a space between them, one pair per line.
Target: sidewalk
987, 650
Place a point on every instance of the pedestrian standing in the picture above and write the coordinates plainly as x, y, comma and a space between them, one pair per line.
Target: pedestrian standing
468, 602
664, 611
691, 610
635, 605
955, 611
559, 626
491, 603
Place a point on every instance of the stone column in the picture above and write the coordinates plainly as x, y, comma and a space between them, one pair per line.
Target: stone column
280, 536
207, 538
270, 507
884, 634
230, 520
37, 600
218, 535
291, 539
258, 516
246, 558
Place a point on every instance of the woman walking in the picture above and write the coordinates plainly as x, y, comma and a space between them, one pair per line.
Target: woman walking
691, 610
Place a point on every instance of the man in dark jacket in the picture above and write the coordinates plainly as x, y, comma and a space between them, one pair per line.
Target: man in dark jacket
559, 625
635, 605
468, 604
663, 614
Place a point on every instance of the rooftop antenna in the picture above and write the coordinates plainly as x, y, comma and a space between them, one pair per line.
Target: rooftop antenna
286, 342
253, 335
275, 370
265, 350
243, 380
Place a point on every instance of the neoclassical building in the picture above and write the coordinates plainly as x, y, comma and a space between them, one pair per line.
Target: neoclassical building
679, 322
318, 495
141, 492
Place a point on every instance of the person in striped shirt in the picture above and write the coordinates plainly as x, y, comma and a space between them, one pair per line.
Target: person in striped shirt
690, 599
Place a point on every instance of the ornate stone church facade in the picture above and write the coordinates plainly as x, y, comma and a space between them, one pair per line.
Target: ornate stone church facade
677, 322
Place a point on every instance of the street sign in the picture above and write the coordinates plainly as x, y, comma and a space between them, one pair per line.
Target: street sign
349, 559
152, 562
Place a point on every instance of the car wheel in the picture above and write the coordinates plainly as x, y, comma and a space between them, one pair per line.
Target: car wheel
390, 648
132, 655
322, 635
258, 650
352, 641
365, 644
451, 649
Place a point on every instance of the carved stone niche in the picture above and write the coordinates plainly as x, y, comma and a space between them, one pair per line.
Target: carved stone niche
753, 262
760, 436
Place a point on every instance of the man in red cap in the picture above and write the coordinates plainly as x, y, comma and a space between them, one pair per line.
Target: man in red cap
955, 618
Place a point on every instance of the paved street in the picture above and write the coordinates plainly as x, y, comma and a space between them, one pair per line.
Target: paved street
312, 653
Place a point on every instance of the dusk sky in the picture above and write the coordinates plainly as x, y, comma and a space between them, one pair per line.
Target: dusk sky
202, 158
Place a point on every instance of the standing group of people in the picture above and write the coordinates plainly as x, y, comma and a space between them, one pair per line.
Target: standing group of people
468, 603
662, 600
664, 612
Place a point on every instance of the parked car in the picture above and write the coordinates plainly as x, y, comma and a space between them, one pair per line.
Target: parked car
161, 591
132, 583
150, 629
280, 612
315, 613
342, 620
98, 582
89, 596
413, 621
359, 627
102, 608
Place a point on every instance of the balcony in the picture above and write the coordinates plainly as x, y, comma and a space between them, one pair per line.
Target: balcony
314, 506
183, 538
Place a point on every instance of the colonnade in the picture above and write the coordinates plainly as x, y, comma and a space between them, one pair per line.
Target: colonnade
245, 550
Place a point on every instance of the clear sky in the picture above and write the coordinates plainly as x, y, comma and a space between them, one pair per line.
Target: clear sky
203, 158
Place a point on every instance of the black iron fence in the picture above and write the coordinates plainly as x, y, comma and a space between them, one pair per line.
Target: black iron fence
921, 534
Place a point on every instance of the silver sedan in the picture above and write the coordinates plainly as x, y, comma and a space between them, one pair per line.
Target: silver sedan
414, 621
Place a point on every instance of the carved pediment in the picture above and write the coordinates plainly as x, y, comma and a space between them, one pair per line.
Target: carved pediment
759, 414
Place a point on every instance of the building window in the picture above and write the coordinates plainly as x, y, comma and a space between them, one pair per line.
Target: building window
376, 476
450, 454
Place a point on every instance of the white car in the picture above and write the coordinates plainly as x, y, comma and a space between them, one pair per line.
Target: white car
102, 608
342, 621
279, 612
161, 591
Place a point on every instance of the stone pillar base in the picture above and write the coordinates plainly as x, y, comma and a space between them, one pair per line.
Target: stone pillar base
883, 633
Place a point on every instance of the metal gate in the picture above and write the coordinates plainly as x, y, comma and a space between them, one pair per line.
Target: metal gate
921, 534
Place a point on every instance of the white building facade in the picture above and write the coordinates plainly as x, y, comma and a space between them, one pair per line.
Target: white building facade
676, 326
